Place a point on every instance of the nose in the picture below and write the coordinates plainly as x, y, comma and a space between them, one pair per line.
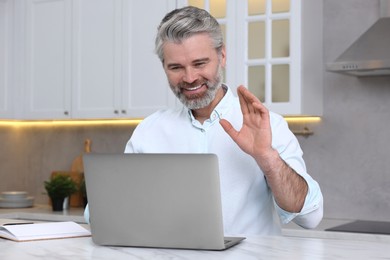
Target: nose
190, 75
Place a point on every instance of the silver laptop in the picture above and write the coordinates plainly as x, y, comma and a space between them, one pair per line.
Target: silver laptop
156, 200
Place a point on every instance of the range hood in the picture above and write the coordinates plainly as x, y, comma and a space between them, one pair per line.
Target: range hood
369, 55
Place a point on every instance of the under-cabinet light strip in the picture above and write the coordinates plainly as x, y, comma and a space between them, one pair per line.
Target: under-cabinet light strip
51, 123
302, 119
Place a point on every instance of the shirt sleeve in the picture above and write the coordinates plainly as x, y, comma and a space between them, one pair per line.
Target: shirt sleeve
289, 150
311, 213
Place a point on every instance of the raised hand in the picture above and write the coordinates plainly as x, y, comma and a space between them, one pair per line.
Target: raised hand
255, 135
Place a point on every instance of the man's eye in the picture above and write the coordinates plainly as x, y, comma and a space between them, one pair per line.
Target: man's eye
200, 64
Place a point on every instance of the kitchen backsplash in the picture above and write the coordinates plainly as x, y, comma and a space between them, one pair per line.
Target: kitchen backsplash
29, 154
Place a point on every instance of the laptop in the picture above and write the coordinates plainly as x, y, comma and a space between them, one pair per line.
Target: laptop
156, 200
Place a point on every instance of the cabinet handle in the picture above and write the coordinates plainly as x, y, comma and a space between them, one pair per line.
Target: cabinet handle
124, 111
66, 113
116, 112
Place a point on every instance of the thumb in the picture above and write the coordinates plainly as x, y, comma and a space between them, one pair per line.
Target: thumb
229, 129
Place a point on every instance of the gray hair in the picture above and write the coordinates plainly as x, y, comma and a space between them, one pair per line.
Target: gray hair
185, 22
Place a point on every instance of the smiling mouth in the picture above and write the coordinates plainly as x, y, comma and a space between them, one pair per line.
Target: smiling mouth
195, 88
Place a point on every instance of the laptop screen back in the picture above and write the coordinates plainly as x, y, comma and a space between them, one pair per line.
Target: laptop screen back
155, 200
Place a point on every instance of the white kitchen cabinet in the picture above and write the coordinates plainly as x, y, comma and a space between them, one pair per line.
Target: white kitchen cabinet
116, 73
98, 58
274, 47
87, 59
46, 80
6, 91
149, 89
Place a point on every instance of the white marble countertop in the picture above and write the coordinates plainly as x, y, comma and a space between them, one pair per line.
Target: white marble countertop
296, 243
266, 247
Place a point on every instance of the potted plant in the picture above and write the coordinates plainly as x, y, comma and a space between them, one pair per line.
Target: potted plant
58, 188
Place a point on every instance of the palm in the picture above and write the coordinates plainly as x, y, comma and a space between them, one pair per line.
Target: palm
254, 137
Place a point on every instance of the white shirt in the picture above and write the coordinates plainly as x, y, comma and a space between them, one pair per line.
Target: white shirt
247, 202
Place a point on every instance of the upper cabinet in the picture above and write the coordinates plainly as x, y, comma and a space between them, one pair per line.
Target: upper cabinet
149, 89
88, 59
98, 58
116, 72
46, 32
6, 91
274, 48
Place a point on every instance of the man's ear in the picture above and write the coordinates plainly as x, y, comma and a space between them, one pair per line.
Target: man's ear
223, 56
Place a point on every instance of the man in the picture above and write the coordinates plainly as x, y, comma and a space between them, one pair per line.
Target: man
262, 172
261, 166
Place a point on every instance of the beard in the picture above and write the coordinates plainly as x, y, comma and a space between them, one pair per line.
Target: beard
197, 101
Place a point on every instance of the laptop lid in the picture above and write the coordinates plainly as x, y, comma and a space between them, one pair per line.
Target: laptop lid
155, 200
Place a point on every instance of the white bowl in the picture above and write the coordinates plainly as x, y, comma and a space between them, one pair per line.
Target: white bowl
14, 195
19, 203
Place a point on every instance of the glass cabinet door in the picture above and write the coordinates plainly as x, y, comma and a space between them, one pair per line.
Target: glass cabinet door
267, 60
263, 44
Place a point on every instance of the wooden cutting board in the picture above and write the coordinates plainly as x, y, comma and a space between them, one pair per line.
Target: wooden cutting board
77, 171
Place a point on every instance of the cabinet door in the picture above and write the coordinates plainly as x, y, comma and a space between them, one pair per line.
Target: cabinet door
5, 59
270, 65
98, 58
274, 47
146, 88
47, 77
116, 71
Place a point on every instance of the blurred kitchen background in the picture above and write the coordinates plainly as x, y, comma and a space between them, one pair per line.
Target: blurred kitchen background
347, 152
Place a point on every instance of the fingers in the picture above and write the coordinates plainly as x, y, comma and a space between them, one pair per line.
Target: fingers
243, 101
250, 103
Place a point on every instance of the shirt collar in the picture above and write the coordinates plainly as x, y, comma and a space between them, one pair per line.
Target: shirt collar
221, 109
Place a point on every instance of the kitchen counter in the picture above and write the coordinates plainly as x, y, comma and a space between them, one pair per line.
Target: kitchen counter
292, 229
296, 243
266, 247
43, 213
